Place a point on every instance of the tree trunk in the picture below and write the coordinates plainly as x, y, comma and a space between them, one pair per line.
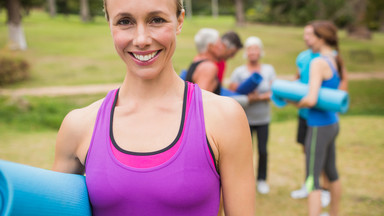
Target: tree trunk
381, 18
189, 8
320, 12
240, 18
16, 34
358, 29
84, 11
215, 8
52, 7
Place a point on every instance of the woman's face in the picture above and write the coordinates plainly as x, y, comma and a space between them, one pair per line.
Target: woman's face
309, 36
144, 33
253, 53
317, 44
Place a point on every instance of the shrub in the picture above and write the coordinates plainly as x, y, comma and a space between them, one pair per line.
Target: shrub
13, 69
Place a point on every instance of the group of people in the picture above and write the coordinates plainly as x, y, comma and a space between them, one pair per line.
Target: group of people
159, 145
205, 71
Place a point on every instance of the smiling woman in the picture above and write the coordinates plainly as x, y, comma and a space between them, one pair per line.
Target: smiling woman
157, 145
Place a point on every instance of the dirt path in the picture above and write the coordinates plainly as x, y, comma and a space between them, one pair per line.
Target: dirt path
104, 88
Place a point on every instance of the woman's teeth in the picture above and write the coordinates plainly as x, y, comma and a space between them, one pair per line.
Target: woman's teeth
145, 57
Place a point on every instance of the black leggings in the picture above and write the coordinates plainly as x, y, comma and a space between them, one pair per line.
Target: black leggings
262, 139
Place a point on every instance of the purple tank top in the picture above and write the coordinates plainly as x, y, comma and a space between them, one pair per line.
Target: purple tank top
185, 184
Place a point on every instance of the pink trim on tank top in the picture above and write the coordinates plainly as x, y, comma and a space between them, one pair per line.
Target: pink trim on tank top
148, 161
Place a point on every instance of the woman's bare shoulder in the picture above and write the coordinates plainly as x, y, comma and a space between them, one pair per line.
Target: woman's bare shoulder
220, 104
223, 114
83, 116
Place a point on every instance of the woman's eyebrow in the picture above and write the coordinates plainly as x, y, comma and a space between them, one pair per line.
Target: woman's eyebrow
126, 14
122, 14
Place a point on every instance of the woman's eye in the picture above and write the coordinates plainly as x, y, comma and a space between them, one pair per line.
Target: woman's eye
124, 22
158, 20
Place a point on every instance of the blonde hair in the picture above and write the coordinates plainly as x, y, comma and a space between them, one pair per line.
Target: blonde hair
179, 8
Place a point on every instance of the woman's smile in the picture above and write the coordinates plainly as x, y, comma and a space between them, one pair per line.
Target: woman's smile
145, 58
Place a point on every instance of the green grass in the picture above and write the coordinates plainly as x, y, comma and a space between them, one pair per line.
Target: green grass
359, 152
64, 51
39, 113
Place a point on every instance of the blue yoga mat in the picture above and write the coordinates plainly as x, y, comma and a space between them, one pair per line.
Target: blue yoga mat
183, 74
249, 84
246, 87
329, 99
26, 190
227, 92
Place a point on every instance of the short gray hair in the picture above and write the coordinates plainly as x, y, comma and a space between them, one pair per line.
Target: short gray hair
251, 41
204, 37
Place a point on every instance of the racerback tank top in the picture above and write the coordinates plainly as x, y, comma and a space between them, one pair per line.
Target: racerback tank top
317, 117
191, 71
186, 183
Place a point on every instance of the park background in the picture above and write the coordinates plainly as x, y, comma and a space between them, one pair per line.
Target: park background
67, 51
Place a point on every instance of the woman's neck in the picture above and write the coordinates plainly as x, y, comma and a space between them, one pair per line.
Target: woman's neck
146, 90
327, 51
207, 56
253, 65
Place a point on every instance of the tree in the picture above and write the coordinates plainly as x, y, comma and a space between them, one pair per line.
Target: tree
358, 28
215, 8
52, 7
189, 8
84, 11
240, 17
15, 29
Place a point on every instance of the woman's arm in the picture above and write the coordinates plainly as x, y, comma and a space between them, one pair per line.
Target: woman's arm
228, 132
73, 139
318, 72
67, 143
344, 82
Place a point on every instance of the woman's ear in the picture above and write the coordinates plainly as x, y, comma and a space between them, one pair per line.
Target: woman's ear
180, 21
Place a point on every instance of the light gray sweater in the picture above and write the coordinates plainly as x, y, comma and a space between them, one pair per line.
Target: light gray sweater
258, 113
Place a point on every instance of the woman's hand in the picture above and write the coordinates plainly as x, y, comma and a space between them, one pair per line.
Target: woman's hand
306, 102
255, 96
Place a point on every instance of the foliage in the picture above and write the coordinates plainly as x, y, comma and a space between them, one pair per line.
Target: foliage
299, 12
373, 16
12, 69
296, 12
73, 7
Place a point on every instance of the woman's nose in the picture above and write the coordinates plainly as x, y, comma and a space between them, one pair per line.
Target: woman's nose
142, 37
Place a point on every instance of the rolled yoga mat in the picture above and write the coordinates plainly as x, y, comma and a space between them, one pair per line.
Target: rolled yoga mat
329, 99
249, 84
26, 190
227, 92
246, 87
183, 74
